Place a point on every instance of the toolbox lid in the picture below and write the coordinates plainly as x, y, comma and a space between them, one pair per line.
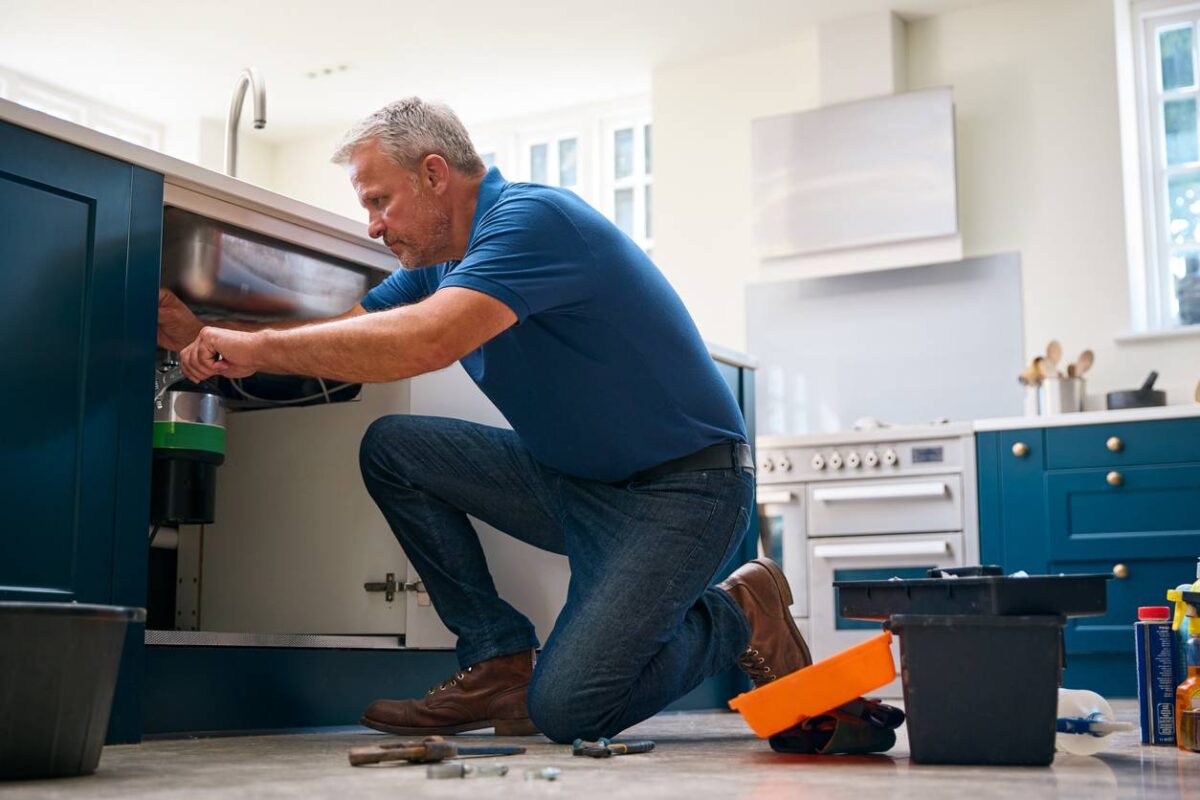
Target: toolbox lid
985, 594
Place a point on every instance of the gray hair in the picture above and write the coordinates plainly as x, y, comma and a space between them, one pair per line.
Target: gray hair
410, 129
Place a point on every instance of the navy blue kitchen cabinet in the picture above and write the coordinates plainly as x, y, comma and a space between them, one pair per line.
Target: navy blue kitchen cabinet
1114, 498
79, 255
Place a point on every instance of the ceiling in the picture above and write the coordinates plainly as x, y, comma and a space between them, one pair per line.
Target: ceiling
167, 60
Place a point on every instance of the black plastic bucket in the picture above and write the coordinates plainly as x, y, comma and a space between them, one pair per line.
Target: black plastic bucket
58, 670
980, 689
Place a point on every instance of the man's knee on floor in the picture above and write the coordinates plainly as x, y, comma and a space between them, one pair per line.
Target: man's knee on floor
563, 710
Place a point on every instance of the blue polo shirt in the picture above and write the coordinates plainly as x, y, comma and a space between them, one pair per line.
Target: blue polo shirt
604, 373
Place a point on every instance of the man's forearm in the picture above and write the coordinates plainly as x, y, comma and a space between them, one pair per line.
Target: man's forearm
366, 348
254, 326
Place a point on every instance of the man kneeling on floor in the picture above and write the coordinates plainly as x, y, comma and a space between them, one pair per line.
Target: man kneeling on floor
628, 453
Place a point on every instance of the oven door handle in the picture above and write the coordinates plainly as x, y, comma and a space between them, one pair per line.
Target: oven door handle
774, 498
935, 548
882, 492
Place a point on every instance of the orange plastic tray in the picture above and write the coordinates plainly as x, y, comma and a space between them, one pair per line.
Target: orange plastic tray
786, 702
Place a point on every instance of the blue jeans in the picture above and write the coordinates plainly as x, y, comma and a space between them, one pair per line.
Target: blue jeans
641, 626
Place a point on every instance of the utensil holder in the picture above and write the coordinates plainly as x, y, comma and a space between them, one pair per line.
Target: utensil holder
1062, 395
1033, 401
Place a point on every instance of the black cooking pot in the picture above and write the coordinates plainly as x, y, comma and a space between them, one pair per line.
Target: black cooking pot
1145, 397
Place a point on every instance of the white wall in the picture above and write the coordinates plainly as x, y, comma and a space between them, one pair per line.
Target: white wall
702, 217
301, 169
1039, 171
201, 140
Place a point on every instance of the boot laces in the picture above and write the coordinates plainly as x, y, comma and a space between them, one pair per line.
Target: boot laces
754, 665
452, 681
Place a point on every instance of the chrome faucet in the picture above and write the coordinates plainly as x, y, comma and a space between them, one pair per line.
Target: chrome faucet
250, 76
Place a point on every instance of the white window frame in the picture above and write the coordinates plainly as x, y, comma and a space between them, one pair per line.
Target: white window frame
639, 181
1151, 280
591, 126
552, 139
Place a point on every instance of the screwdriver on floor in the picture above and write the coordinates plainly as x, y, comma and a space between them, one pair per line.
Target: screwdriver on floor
605, 748
431, 749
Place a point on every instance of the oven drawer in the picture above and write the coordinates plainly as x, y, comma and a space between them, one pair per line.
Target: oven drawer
895, 505
868, 558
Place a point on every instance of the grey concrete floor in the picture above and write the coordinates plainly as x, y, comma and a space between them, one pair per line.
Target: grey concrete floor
699, 755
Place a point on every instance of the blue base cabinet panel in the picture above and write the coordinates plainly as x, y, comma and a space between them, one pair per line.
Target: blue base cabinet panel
210, 690
80, 235
1119, 499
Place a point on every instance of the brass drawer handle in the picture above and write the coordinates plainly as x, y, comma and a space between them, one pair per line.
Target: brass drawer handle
1020, 449
1120, 572
1115, 478
1115, 444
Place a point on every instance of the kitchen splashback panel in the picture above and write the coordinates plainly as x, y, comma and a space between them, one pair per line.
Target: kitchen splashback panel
905, 346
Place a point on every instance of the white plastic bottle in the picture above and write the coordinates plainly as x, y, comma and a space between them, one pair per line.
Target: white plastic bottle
1085, 720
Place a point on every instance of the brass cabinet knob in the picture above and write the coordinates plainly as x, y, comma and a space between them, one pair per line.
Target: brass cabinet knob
1020, 449
1120, 572
1115, 478
1115, 444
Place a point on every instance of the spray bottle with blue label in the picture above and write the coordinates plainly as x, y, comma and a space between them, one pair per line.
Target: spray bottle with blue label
1187, 697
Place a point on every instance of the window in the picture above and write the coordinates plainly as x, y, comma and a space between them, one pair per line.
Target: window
1166, 44
80, 110
626, 187
554, 161
579, 149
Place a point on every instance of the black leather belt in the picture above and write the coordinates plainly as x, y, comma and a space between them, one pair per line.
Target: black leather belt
726, 455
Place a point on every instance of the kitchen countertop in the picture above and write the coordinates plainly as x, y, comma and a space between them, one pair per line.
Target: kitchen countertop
1090, 418
932, 431
891, 433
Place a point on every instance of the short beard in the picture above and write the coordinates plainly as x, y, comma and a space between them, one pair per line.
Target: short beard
432, 247
434, 240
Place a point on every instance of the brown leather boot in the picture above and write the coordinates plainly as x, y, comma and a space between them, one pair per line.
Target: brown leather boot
776, 647
490, 694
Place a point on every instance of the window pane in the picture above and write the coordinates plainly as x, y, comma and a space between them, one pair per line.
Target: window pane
623, 209
649, 227
489, 159
1183, 197
623, 149
1175, 48
646, 132
537, 163
568, 171
1185, 274
1179, 120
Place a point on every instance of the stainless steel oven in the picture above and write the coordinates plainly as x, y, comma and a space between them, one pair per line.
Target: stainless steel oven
865, 506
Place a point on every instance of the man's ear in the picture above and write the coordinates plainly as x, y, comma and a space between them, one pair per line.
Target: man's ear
435, 173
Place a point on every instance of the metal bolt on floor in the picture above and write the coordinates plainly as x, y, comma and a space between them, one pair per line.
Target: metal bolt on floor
543, 774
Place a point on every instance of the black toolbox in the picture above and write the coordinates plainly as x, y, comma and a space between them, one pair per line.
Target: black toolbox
981, 657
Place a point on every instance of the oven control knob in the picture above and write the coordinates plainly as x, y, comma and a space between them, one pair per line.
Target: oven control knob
768, 465
890, 458
853, 460
871, 459
785, 464
818, 461
835, 460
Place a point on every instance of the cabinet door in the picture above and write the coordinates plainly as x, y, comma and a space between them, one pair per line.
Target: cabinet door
1137, 582
1142, 512
63, 255
1012, 499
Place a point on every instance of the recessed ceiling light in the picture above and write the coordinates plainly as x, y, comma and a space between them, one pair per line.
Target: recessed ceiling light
323, 72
